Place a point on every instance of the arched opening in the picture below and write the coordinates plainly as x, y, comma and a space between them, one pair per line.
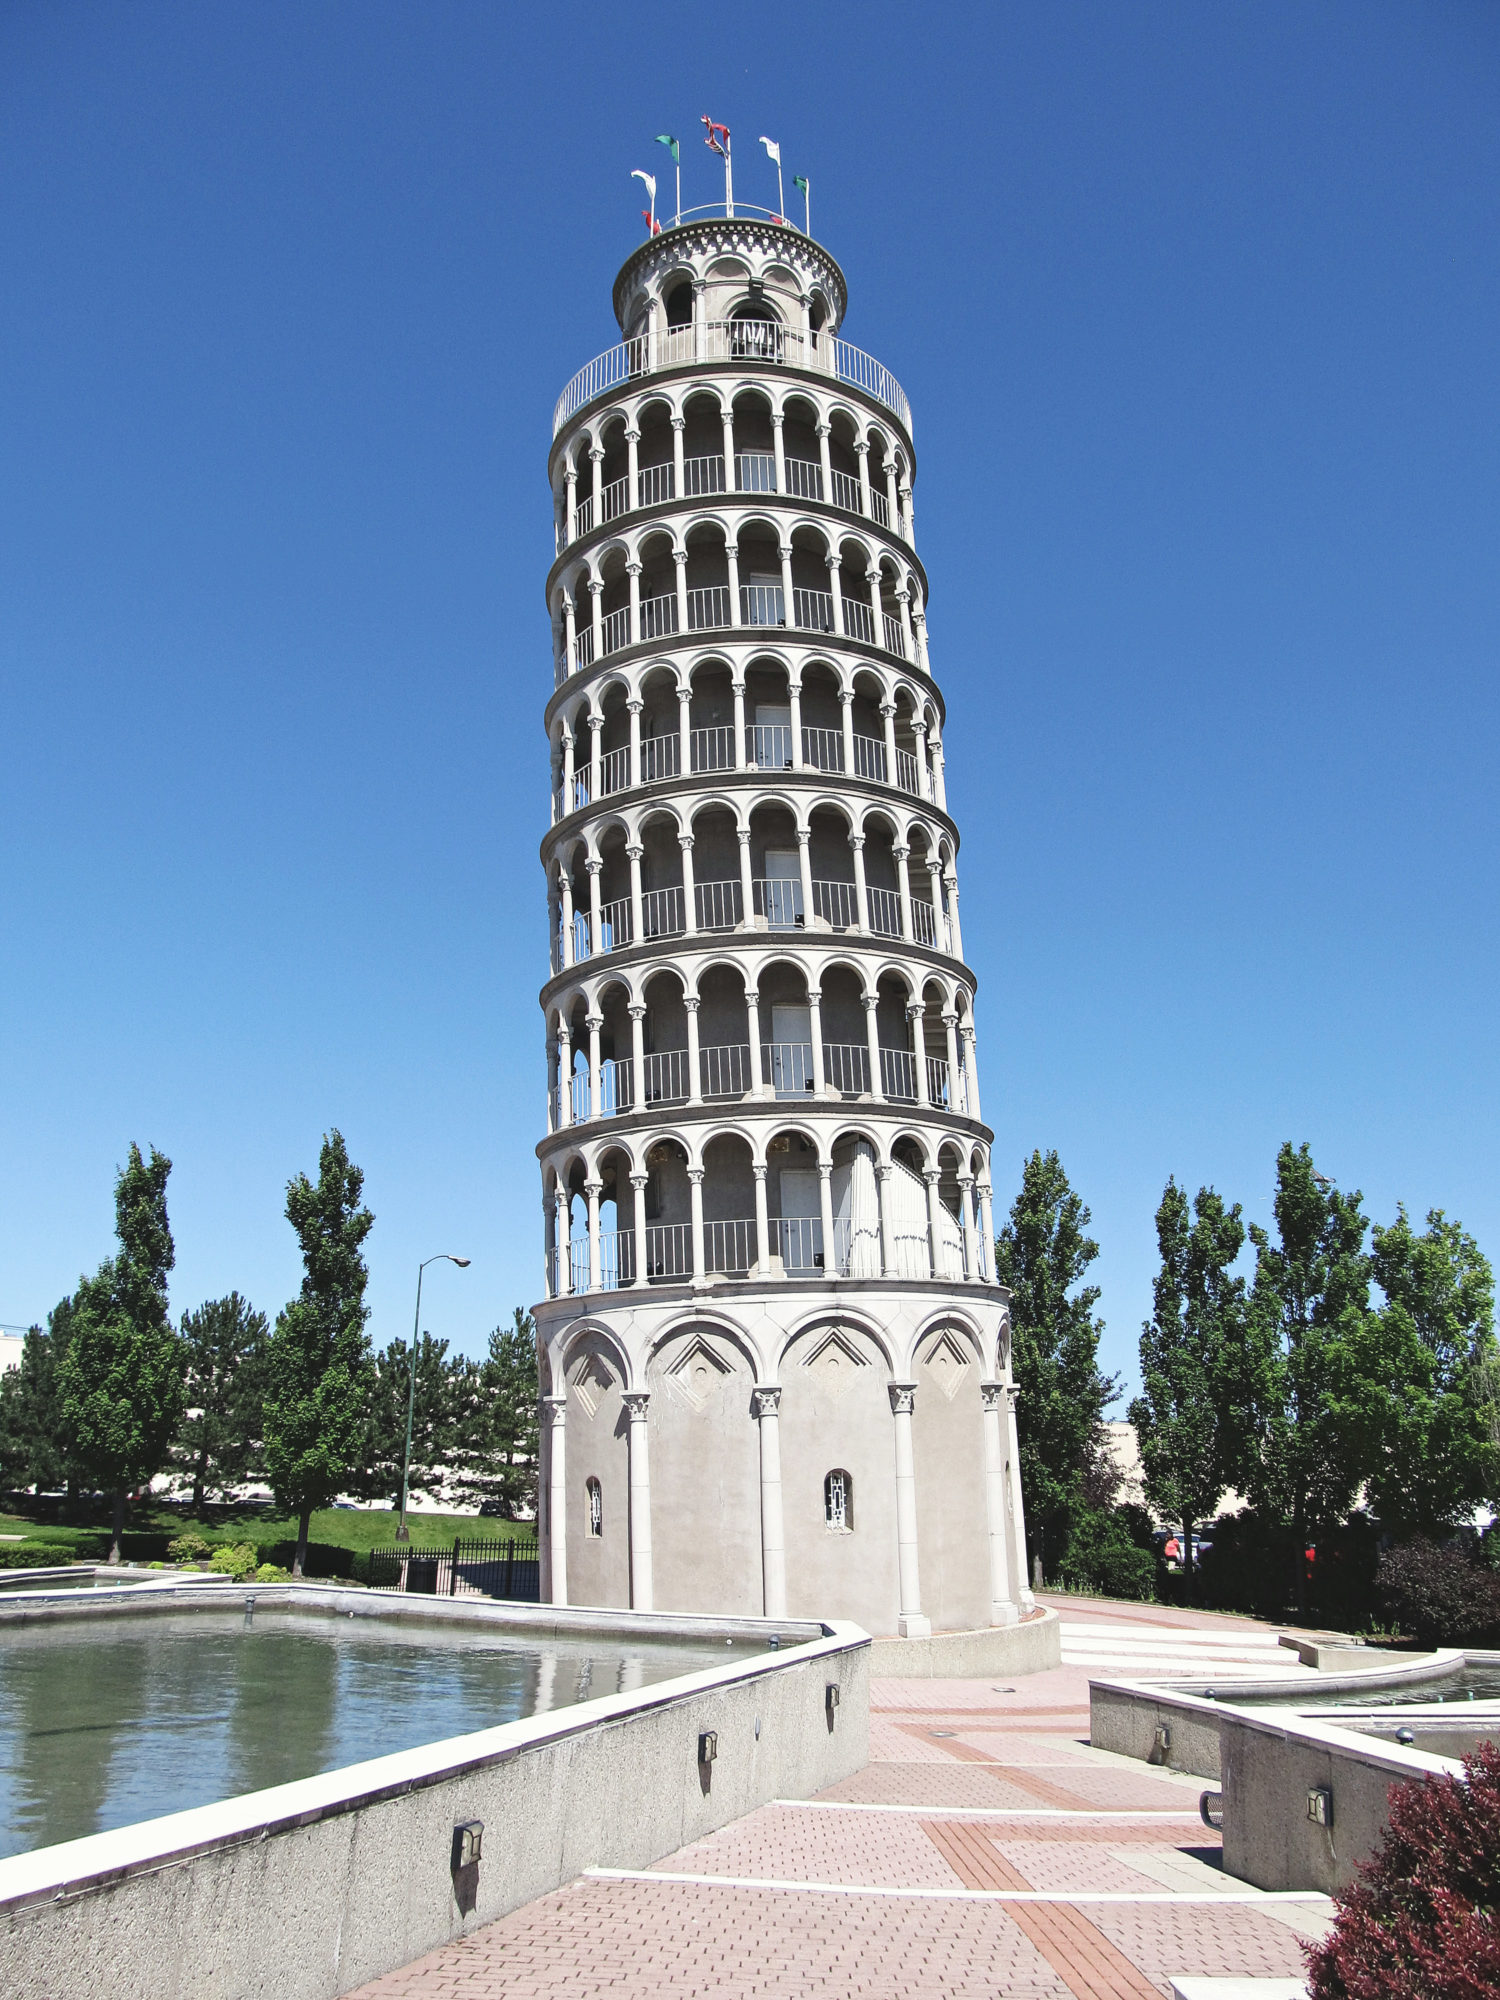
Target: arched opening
795, 1206
729, 1246
838, 1502
669, 1231
593, 1494
755, 333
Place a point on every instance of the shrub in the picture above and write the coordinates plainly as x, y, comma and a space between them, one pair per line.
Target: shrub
272, 1573
322, 1558
1420, 1921
1443, 1597
236, 1559
34, 1555
188, 1549
1109, 1551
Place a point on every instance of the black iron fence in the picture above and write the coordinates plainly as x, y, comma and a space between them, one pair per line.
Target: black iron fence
484, 1569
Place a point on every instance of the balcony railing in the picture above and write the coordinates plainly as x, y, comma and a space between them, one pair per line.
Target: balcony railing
661, 757
771, 745
846, 493
713, 749
823, 749
895, 639
655, 485
617, 629
907, 778
779, 901
837, 903
702, 476
708, 610
812, 610
937, 1083
662, 913
762, 604
859, 621
804, 479
846, 1068
729, 1248
669, 1250
616, 925
798, 1242
924, 922
869, 758
754, 472
788, 1067
730, 340
617, 1086
614, 770
667, 1077
885, 912
898, 1075
659, 616
726, 1069
718, 906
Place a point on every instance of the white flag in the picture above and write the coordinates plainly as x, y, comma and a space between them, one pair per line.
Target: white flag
649, 181
773, 149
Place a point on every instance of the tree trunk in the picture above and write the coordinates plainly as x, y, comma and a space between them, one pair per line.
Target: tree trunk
304, 1522
1187, 1556
1299, 1560
119, 1525
200, 1480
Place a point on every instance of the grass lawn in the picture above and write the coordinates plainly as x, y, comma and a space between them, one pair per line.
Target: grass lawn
344, 1528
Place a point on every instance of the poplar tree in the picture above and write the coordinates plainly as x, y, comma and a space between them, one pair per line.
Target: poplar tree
317, 1360
499, 1433
1041, 1254
33, 1445
219, 1443
121, 1381
1191, 1419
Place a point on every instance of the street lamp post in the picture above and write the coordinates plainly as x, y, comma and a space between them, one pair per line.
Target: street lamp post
403, 1533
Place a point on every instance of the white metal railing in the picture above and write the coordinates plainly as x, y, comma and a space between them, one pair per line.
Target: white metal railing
661, 757
907, 775
702, 475
581, 949
894, 640
885, 911
583, 516
726, 1069
812, 610
779, 901
580, 790
616, 925
708, 610
788, 1067
762, 604
579, 1109
798, 1241
655, 485
730, 340
583, 647
754, 472
880, 507
823, 749
662, 913
923, 922
617, 1085
837, 903
718, 906
859, 621
898, 1075
771, 745
669, 1250
937, 1083
617, 629
616, 1258
712, 749
659, 616
846, 1068
869, 758
614, 499
804, 479
614, 770
729, 1247
667, 1077
578, 1263
846, 493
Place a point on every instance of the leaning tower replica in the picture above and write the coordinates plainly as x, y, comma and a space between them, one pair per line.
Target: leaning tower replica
775, 1362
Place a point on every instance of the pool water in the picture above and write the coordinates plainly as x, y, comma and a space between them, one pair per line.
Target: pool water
1477, 1680
101, 1728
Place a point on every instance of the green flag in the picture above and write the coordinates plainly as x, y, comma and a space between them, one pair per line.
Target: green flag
799, 182
666, 139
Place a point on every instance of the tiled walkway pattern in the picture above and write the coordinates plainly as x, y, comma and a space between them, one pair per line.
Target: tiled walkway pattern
985, 1850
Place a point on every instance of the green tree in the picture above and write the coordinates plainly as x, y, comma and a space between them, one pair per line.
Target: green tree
498, 1439
1041, 1254
33, 1444
317, 1359
1308, 1308
1190, 1419
1424, 1390
218, 1445
440, 1391
121, 1381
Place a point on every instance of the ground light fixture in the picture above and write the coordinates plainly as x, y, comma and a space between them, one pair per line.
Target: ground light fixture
403, 1533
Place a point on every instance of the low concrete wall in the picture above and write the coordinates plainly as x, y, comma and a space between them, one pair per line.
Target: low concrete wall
306, 1890
1026, 1648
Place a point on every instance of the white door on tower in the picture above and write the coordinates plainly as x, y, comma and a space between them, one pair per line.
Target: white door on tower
791, 1070
801, 1229
781, 891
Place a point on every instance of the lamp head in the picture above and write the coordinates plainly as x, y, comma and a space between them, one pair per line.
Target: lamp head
462, 1262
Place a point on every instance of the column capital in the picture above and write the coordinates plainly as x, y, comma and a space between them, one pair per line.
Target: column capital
635, 706
871, 1000
593, 865
742, 835
915, 1009
814, 996
765, 1401
932, 1175
903, 1396
596, 451
784, 553
778, 418
632, 436
759, 1169
833, 561
883, 1170
966, 1180
695, 1175
596, 586
637, 1010
556, 1408
949, 1017
846, 696
593, 1021
888, 707
680, 423
593, 1187
680, 556
825, 1170
636, 1402
691, 1002
985, 1191
1012, 1395
990, 1394
639, 1180
685, 842
804, 836
823, 428
861, 444
570, 474
856, 840
634, 851
632, 569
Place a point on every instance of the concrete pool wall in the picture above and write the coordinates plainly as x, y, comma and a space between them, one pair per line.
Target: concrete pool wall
308, 1889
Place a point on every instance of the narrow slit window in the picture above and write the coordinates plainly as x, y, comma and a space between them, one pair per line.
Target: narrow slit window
596, 1507
838, 1503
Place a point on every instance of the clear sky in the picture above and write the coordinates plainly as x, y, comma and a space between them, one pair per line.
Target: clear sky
1197, 311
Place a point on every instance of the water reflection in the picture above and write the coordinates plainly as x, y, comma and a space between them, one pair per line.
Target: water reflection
103, 1724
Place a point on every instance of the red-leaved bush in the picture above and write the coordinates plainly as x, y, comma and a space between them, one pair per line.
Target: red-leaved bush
1423, 1920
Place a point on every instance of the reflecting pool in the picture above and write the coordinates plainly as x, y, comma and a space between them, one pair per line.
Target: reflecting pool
103, 1724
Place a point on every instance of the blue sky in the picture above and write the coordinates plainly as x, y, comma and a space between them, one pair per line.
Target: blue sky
1196, 309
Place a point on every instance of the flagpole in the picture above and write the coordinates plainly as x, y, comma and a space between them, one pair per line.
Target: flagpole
728, 179
677, 218
780, 191
807, 200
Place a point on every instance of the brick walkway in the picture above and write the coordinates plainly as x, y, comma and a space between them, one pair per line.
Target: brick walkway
985, 1850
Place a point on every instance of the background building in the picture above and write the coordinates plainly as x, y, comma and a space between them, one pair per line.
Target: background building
775, 1363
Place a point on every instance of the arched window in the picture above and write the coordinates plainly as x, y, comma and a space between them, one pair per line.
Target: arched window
596, 1507
838, 1503
755, 333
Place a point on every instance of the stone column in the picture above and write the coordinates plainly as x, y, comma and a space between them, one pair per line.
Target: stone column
862, 453
633, 709
596, 592
594, 868
633, 855
892, 502
861, 891
689, 895
570, 635
680, 558
1013, 1502
564, 1235
836, 592
825, 464
636, 1402
766, 1403
825, 1216
596, 459
594, 1022
872, 1046
638, 1183
794, 703
903, 887
1002, 1603
555, 1410
804, 868
788, 596
737, 689
778, 448
887, 1240
569, 801
565, 890
685, 731
939, 786
747, 881
971, 1068
908, 641
932, 1175
731, 481
633, 466
633, 571
911, 1624
924, 781
966, 1223
846, 719
916, 1015
570, 477
888, 717
986, 1231
679, 425
732, 571
762, 1222
700, 1260
815, 1034
592, 1190
695, 1065
752, 1029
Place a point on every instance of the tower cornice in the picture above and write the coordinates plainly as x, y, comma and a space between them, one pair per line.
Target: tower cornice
696, 244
